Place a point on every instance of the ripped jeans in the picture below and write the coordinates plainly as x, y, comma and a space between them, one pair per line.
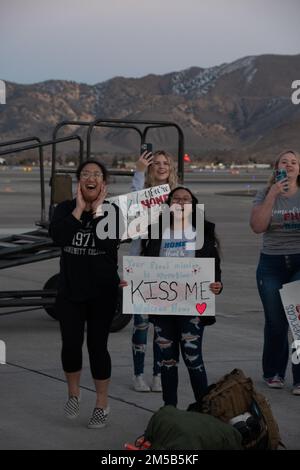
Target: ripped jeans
139, 345
185, 332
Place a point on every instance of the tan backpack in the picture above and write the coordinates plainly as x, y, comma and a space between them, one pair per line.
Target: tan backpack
232, 399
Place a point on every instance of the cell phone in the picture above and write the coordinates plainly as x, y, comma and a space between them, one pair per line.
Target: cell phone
146, 147
281, 174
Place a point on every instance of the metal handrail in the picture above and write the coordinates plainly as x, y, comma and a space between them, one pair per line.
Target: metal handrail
78, 124
41, 160
54, 137
149, 125
40, 145
122, 124
180, 167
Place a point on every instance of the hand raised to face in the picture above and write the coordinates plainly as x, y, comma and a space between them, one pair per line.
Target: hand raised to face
100, 198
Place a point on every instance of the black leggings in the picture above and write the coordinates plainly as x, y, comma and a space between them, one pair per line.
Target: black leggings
98, 314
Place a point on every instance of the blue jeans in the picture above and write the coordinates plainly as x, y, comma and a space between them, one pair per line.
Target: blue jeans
272, 272
185, 333
139, 344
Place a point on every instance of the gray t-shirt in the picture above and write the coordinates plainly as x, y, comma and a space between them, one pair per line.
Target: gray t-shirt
283, 234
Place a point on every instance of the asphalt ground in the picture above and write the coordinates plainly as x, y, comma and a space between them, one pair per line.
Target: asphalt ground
33, 390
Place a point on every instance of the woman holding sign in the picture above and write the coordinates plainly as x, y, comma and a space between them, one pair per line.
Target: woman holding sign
174, 332
88, 287
151, 170
276, 214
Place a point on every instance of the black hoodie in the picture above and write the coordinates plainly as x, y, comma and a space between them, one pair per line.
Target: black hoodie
88, 265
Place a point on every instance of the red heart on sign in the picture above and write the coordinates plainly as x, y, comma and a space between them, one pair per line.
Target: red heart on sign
201, 308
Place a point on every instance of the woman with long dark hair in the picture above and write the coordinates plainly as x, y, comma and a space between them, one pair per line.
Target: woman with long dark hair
88, 287
174, 332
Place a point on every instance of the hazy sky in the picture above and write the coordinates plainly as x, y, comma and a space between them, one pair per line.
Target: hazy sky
94, 40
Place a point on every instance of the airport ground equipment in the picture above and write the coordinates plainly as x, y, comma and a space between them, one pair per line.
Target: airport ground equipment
36, 245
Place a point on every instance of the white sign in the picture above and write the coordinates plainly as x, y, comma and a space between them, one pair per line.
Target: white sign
136, 206
2, 352
290, 296
176, 286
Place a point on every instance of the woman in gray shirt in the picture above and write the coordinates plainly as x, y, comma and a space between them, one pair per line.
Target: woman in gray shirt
276, 214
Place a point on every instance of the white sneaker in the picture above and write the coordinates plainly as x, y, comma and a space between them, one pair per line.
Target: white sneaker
156, 384
296, 390
275, 382
139, 384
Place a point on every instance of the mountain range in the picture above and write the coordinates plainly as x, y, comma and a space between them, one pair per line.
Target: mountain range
238, 111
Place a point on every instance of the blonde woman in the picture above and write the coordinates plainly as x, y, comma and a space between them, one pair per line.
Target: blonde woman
276, 214
151, 170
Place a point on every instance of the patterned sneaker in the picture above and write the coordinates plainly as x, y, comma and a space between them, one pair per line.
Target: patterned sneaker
72, 407
139, 384
275, 382
296, 390
99, 418
156, 384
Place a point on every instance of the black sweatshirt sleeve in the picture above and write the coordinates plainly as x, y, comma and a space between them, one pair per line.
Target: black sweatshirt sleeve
63, 225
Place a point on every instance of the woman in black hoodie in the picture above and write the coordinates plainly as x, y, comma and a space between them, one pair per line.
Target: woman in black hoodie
88, 287
174, 331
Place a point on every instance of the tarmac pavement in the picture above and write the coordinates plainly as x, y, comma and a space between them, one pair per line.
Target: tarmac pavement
33, 392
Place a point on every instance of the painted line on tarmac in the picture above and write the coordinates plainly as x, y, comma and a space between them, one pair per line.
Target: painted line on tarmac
2, 314
52, 377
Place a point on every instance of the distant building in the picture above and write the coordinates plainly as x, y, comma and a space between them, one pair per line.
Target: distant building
263, 165
251, 165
